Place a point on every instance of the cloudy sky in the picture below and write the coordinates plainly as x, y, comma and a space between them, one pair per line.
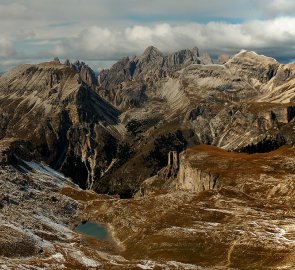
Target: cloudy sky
102, 31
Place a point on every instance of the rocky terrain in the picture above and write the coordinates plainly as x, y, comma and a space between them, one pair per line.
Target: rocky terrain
119, 132
244, 222
238, 106
193, 162
39, 209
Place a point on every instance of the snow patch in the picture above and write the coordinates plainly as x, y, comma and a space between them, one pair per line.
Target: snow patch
179, 265
57, 227
80, 257
43, 169
59, 257
280, 235
146, 265
218, 210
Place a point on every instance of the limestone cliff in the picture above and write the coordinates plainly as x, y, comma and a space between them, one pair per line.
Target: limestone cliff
194, 179
86, 73
164, 181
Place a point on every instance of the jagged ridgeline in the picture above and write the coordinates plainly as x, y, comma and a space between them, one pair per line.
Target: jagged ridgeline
112, 133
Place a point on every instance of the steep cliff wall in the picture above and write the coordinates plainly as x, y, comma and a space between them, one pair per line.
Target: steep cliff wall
194, 179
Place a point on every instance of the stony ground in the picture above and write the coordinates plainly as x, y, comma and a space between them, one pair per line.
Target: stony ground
247, 223
39, 209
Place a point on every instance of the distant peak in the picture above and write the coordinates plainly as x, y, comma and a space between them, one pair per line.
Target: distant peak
223, 58
253, 54
196, 52
67, 62
56, 59
152, 50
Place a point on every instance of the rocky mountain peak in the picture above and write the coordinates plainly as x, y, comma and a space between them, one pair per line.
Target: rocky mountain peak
86, 73
151, 51
125, 84
222, 59
206, 59
195, 52
61, 109
249, 64
67, 62
245, 55
174, 60
56, 59
151, 57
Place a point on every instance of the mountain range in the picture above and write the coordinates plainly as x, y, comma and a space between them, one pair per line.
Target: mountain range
189, 163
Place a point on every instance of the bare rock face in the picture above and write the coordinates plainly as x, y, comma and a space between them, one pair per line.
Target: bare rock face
261, 72
173, 164
164, 181
141, 74
206, 59
50, 106
86, 73
243, 105
222, 59
194, 179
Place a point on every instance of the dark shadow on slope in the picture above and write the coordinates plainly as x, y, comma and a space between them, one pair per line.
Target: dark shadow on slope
92, 108
77, 170
264, 146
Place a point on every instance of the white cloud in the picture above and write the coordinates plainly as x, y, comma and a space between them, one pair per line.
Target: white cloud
275, 36
6, 48
57, 50
276, 7
14, 11
110, 29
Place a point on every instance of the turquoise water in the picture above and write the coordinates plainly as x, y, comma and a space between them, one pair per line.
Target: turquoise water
93, 229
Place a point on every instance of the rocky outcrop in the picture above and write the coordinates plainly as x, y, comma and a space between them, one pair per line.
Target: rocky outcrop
164, 181
56, 59
86, 73
192, 178
206, 59
12, 150
171, 170
222, 59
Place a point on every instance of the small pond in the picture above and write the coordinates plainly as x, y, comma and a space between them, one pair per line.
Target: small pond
93, 229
